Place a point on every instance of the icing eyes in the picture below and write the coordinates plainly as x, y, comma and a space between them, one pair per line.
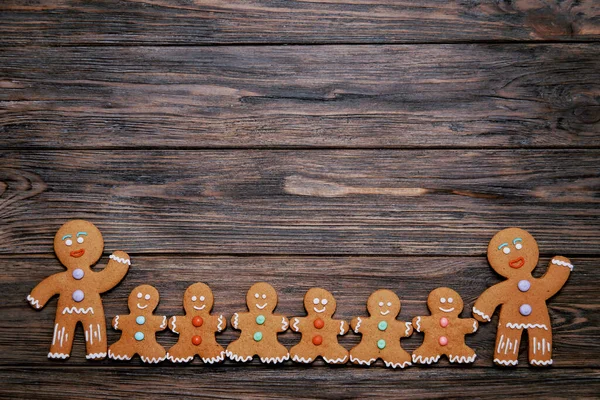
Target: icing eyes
264, 296
139, 295
80, 240
202, 298
79, 236
389, 304
381, 304
194, 298
324, 301
256, 295
506, 250
518, 242
147, 297
68, 242
450, 299
443, 300
316, 300
518, 246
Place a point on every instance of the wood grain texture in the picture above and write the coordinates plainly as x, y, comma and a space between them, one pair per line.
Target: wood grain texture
575, 311
279, 21
396, 202
434, 96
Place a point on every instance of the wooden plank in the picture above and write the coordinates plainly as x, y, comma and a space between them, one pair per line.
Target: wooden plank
259, 21
433, 202
575, 311
435, 96
235, 382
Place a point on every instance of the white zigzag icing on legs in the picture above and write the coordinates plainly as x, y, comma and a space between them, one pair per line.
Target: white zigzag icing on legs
153, 360
395, 365
237, 358
275, 360
562, 263
358, 321
362, 362
216, 359
507, 362
425, 360
302, 359
33, 301
116, 357
335, 361
179, 360
95, 356
58, 355
462, 359
119, 259
537, 362
482, 315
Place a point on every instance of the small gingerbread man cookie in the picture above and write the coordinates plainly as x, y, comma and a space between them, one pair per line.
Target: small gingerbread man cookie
196, 329
139, 328
514, 253
78, 244
319, 330
259, 328
381, 332
444, 330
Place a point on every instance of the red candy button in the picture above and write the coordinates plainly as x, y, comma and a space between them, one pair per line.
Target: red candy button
196, 340
444, 322
443, 340
317, 340
319, 324
197, 321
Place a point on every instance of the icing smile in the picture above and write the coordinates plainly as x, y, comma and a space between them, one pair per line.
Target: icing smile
517, 262
446, 309
199, 308
384, 313
140, 307
77, 253
261, 307
319, 310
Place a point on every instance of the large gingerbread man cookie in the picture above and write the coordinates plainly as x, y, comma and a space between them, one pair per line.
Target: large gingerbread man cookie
259, 328
444, 330
139, 328
319, 330
513, 253
78, 245
381, 332
197, 328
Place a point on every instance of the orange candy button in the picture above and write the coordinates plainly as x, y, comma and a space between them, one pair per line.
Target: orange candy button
319, 324
197, 321
196, 340
317, 339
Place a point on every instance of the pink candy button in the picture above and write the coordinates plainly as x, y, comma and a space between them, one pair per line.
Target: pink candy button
444, 322
443, 340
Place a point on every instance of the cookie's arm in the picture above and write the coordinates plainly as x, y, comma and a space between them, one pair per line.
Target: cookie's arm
343, 327
421, 324
238, 320
114, 272
405, 327
44, 291
297, 324
218, 323
468, 325
159, 322
175, 324
115, 323
284, 323
359, 324
488, 301
559, 269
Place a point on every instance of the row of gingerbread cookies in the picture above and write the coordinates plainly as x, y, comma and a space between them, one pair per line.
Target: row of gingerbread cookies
381, 331
512, 252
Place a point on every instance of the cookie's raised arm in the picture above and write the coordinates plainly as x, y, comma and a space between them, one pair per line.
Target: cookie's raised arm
559, 269
114, 272
44, 291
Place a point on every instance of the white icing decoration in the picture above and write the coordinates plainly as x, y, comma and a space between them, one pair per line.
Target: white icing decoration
335, 361
361, 362
75, 310
237, 358
140, 307
216, 359
538, 362
220, 324
302, 359
425, 360
526, 326
120, 260
341, 327
261, 307
462, 359
116, 324
235, 320
274, 360
384, 313
319, 310
33, 302
295, 325
163, 324
59, 355
117, 357
199, 308
562, 263
358, 321
174, 326
446, 310
284, 324
179, 360
153, 360
395, 365
482, 314
408, 325
95, 356
474, 326
506, 362
418, 324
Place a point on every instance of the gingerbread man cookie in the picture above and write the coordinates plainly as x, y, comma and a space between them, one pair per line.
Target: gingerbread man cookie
78, 245
381, 332
319, 330
139, 327
196, 329
444, 330
513, 253
259, 328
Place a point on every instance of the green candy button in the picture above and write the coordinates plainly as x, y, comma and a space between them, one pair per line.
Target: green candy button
382, 326
258, 336
260, 319
381, 344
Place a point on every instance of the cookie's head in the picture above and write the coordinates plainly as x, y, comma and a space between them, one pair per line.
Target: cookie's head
445, 301
383, 302
261, 297
78, 243
513, 252
198, 298
319, 301
143, 297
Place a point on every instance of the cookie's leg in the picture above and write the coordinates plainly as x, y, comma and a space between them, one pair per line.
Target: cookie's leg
152, 353
273, 352
181, 351
462, 354
303, 353
239, 350
396, 357
427, 353
506, 351
540, 346
62, 338
363, 353
94, 328
210, 351
121, 349
335, 355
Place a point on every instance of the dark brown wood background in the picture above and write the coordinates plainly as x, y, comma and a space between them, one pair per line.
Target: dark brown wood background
353, 145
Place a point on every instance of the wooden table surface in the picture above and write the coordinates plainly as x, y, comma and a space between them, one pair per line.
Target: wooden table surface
353, 145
